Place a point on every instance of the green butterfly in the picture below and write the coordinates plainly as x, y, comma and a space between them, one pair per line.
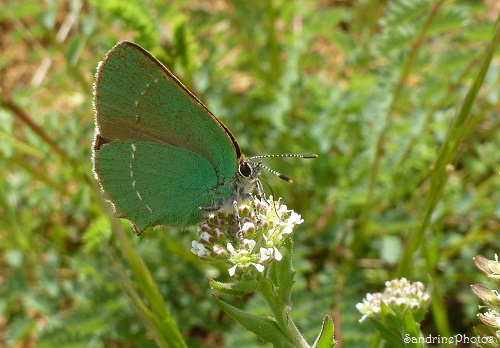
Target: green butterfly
160, 156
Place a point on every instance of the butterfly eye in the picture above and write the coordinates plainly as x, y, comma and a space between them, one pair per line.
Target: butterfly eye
244, 169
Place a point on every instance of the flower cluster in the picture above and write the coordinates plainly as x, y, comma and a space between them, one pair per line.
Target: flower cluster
250, 238
399, 296
491, 301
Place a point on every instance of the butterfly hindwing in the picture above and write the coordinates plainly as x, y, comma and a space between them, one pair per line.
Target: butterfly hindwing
151, 184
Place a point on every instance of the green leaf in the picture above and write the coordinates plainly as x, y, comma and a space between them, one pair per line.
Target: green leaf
411, 327
448, 19
404, 11
75, 49
18, 330
326, 337
265, 328
135, 15
23, 9
282, 273
97, 233
392, 321
234, 289
14, 258
394, 339
479, 31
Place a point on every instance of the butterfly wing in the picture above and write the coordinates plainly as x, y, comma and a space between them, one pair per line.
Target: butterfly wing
152, 184
138, 101
137, 98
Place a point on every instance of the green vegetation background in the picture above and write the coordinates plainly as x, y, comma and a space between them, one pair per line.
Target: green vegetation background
407, 182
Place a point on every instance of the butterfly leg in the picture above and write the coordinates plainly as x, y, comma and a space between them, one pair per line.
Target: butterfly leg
261, 193
210, 209
238, 218
136, 229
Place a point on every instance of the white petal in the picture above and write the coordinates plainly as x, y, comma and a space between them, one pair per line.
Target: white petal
250, 242
195, 247
277, 254
259, 267
232, 270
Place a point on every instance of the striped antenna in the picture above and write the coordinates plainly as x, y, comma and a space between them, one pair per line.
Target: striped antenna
298, 155
278, 174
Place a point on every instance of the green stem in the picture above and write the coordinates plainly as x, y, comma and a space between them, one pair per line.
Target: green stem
281, 315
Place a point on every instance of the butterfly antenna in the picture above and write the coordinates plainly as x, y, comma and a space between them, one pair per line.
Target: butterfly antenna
297, 155
278, 174
274, 197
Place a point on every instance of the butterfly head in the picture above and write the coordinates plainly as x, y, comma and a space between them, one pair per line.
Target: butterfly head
249, 169
248, 172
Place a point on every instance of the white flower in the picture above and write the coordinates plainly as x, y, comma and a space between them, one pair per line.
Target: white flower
243, 257
265, 254
269, 253
257, 266
199, 249
295, 219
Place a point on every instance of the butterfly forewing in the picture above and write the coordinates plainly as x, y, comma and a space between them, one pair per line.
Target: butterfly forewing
137, 98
